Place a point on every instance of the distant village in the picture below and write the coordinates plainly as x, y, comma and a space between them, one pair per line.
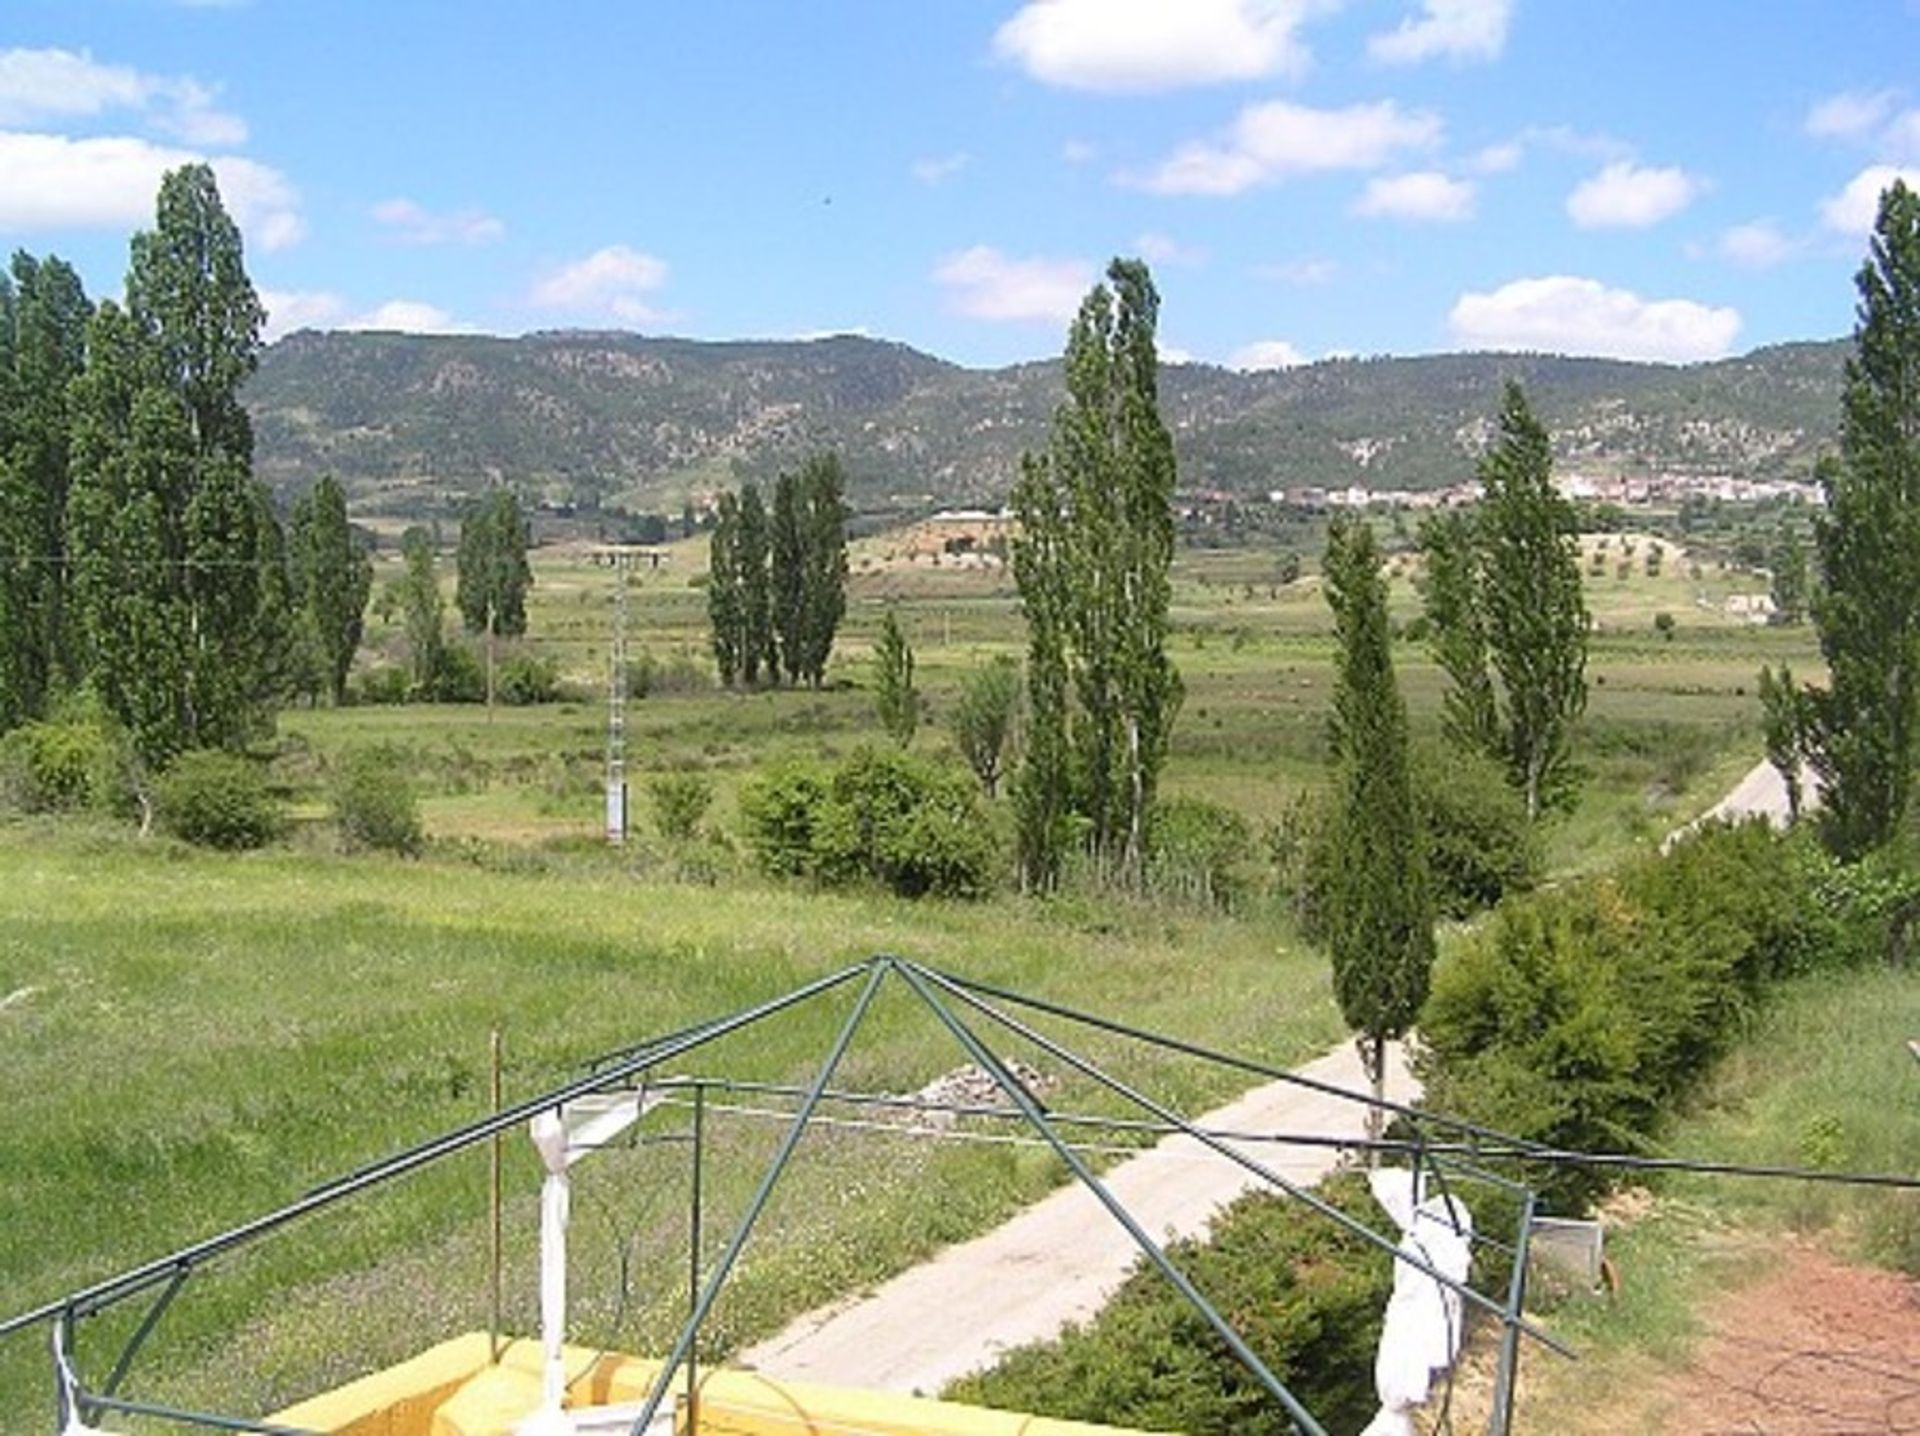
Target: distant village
1645, 491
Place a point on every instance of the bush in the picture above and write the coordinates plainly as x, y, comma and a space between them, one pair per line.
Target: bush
680, 801
384, 685
374, 805
1200, 849
905, 822
681, 673
1577, 1017
1307, 1295
460, 678
779, 810
525, 678
217, 800
61, 765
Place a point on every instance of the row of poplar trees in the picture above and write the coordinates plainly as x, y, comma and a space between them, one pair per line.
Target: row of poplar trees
777, 587
143, 562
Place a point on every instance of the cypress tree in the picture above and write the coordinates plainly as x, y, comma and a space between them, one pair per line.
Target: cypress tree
1379, 905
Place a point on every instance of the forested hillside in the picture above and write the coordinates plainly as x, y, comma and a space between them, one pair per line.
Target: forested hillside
412, 423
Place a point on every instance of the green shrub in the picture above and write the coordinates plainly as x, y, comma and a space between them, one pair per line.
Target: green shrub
680, 801
217, 800
386, 684
526, 678
1577, 1017
1307, 1295
61, 765
648, 675
1199, 848
460, 678
910, 824
374, 805
778, 810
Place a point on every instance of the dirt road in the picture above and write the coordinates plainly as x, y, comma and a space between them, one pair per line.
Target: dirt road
1058, 1261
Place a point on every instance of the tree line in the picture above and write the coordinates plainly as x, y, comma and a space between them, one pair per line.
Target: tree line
145, 563
777, 583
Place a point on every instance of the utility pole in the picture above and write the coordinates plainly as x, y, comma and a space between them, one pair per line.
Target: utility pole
621, 558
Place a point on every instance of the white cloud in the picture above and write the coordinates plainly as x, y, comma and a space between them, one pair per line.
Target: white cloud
986, 284
1305, 273
1139, 46
1561, 314
609, 283
1629, 196
1174, 354
1160, 248
1498, 159
410, 223
1079, 152
934, 168
1456, 29
1759, 245
1424, 195
1265, 354
409, 316
1856, 207
37, 86
1901, 139
1270, 141
291, 309
1848, 115
54, 182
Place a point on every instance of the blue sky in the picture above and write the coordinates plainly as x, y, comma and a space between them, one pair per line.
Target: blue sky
1673, 180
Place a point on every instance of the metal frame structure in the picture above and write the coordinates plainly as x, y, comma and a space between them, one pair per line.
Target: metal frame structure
957, 1004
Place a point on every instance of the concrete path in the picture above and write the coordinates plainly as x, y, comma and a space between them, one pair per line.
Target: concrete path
1763, 793
1060, 1259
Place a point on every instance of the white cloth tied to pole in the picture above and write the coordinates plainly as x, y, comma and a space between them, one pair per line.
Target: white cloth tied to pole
1423, 1325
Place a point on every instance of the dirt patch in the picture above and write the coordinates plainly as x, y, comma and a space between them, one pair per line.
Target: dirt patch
1818, 1346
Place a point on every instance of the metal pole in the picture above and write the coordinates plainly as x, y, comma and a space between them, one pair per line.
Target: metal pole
1501, 1421
494, 1214
693, 1257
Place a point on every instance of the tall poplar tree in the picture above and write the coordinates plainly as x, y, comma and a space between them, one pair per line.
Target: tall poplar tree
183, 558
1097, 538
787, 579
895, 698
1866, 606
422, 613
491, 572
1043, 784
1379, 903
1509, 619
332, 577
43, 319
756, 590
823, 558
726, 615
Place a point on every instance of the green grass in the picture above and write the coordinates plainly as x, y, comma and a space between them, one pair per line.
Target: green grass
206, 1037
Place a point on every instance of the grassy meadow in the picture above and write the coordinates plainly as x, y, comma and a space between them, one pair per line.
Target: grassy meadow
189, 1039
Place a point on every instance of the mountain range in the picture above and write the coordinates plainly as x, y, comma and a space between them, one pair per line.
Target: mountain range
413, 424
